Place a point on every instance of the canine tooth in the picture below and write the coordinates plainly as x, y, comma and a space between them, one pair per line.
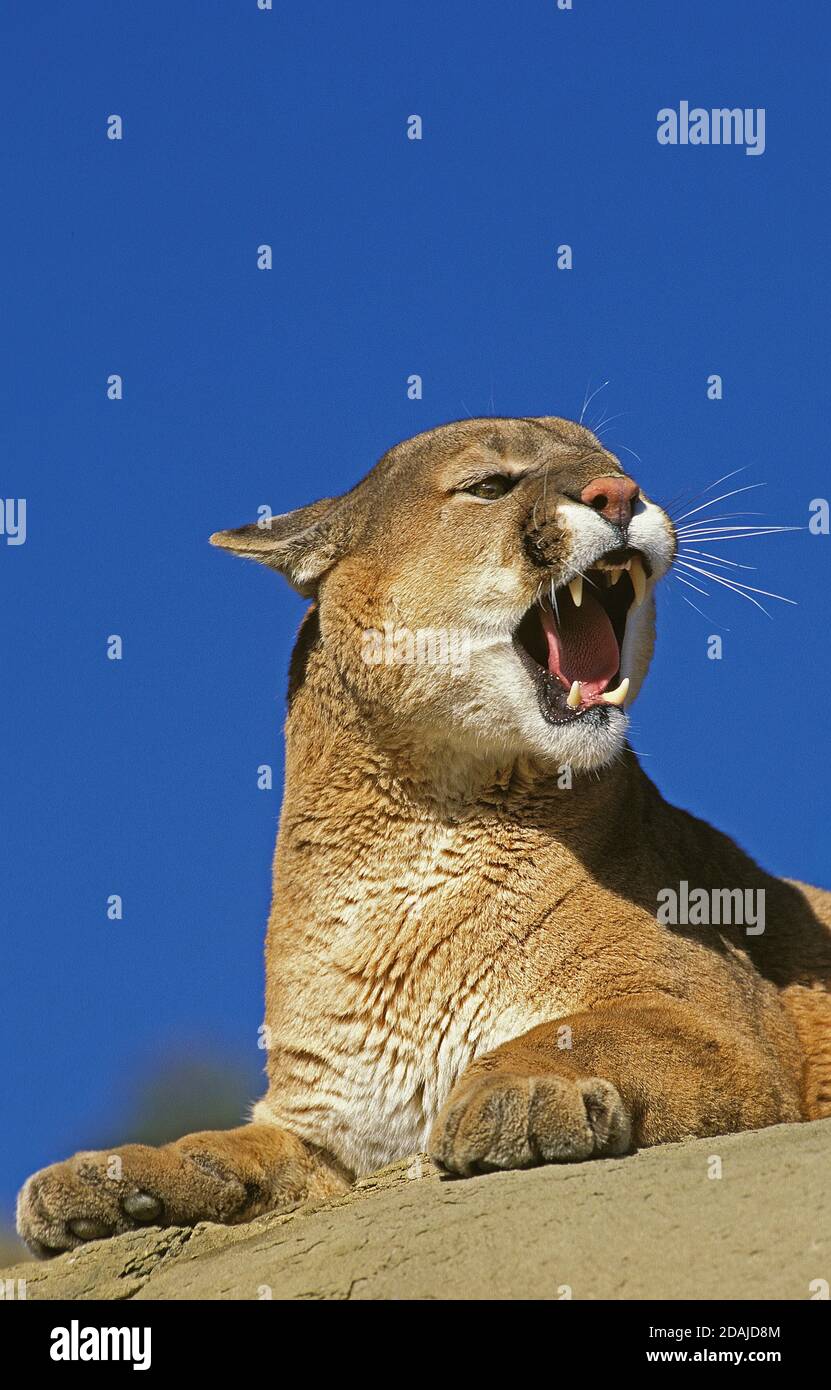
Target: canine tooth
573, 697
614, 575
616, 697
576, 590
637, 574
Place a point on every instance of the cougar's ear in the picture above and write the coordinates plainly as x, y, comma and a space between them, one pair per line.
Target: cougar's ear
302, 545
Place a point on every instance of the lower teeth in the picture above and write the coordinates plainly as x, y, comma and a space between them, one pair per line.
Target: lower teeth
616, 697
609, 697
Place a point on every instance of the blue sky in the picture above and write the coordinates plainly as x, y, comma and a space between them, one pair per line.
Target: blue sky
244, 387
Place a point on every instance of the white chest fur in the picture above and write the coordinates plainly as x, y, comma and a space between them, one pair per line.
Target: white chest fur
404, 978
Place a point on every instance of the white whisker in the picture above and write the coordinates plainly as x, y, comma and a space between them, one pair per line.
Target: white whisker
736, 584
588, 400
750, 487
682, 580
607, 420
585, 577
706, 616
631, 451
724, 477
696, 607
734, 536
691, 496
723, 516
554, 603
700, 528
750, 599
714, 559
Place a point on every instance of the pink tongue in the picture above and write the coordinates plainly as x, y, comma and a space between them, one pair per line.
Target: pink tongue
582, 646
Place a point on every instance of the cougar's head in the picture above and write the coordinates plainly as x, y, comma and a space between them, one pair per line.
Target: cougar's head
488, 586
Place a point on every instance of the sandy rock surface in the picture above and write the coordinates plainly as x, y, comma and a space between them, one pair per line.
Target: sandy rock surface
653, 1225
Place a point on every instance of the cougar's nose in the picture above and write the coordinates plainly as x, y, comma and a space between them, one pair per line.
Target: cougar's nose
613, 497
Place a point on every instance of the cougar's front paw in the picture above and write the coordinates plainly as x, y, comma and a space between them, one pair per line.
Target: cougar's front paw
95, 1195
504, 1121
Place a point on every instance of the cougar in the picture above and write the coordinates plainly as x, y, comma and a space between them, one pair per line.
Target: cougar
465, 953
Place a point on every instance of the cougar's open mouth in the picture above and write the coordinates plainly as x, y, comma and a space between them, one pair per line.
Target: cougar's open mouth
572, 639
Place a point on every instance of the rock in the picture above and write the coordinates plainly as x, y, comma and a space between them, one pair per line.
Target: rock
653, 1225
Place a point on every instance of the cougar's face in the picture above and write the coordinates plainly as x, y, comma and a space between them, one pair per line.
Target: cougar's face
487, 588
500, 596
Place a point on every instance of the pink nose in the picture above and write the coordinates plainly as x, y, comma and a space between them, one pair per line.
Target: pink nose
612, 497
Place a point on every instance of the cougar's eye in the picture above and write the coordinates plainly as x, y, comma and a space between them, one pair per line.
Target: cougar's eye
491, 488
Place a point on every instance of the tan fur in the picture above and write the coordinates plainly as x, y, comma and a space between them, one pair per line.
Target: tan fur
462, 952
